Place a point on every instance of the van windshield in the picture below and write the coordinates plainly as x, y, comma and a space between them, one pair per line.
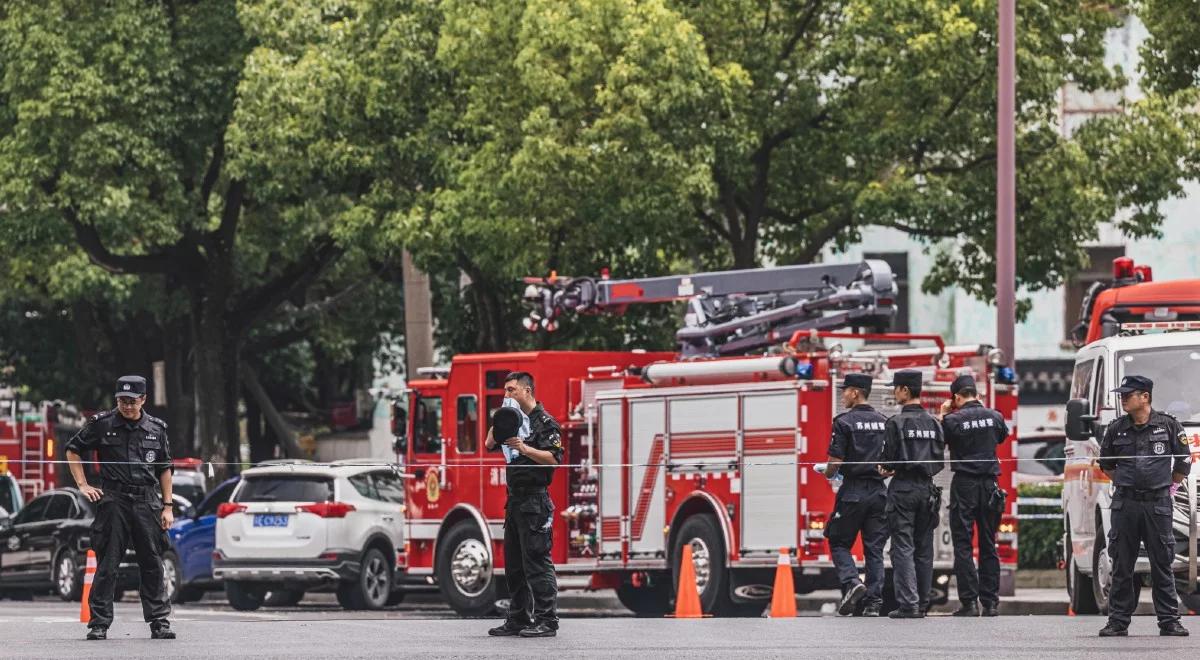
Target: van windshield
1175, 371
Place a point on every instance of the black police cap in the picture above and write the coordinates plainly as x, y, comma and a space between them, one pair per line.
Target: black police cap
506, 423
861, 381
907, 378
964, 382
131, 386
1135, 384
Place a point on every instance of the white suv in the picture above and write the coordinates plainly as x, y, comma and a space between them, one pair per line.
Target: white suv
289, 529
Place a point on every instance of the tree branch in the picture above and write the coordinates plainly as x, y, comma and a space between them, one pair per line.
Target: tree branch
712, 224
121, 264
295, 277
816, 242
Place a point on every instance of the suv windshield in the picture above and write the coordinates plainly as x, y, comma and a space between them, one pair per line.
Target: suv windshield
271, 488
1175, 371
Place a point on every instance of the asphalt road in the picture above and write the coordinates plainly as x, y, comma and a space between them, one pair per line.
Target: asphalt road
424, 629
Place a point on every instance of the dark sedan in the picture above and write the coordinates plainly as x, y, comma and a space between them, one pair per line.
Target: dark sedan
44, 547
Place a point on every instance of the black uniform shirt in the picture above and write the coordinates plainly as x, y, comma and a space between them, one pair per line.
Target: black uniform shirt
858, 437
546, 434
914, 435
1160, 447
133, 453
972, 433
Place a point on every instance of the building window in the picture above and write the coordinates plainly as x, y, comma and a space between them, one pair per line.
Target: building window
1099, 269
898, 261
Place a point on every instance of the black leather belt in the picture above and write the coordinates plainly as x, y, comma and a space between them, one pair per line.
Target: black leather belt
125, 489
525, 492
1140, 495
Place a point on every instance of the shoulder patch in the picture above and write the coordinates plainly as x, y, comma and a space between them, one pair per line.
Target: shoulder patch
157, 421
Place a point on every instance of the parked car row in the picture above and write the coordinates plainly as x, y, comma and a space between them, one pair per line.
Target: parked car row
269, 536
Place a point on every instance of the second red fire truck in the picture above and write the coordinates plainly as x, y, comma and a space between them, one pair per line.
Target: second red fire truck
714, 446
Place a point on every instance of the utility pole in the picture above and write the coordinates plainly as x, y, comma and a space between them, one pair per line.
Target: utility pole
418, 318
1006, 181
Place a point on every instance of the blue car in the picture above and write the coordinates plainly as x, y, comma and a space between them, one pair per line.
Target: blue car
187, 566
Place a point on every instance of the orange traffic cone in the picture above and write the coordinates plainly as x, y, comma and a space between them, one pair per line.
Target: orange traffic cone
783, 597
687, 600
1070, 611
89, 573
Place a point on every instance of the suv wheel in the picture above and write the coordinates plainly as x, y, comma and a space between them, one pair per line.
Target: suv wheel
67, 584
244, 596
373, 586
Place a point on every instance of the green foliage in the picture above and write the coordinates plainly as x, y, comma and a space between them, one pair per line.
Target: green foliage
1040, 539
1171, 56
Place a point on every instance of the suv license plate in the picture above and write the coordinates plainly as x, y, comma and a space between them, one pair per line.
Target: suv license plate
271, 519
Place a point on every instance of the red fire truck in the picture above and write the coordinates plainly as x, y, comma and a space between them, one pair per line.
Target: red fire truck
709, 446
26, 440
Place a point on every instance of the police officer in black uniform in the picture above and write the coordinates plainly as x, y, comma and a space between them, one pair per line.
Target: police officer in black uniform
972, 433
1144, 451
858, 440
528, 518
135, 466
913, 452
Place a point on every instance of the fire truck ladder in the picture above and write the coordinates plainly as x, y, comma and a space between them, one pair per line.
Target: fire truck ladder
732, 312
33, 472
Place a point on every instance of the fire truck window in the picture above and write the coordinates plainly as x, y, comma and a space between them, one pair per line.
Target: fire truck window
1081, 381
494, 380
468, 424
427, 425
1101, 390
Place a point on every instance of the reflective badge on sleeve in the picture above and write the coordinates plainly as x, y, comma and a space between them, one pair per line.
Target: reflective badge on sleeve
150, 456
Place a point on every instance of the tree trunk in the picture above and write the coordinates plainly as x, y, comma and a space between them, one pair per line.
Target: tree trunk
278, 425
262, 445
179, 397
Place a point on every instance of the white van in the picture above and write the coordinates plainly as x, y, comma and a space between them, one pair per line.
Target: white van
1172, 361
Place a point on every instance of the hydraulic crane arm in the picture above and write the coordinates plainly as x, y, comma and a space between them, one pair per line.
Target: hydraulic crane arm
732, 312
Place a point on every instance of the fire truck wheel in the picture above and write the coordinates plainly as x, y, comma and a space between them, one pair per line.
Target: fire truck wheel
1079, 587
1101, 569
652, 599
244, 596
708, 559
464, 571
68, 579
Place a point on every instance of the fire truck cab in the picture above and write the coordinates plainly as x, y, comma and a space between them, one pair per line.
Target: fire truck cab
1133, 326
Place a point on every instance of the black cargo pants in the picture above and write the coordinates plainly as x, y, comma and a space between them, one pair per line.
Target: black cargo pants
1136, 522
974, 503
859, 510
911, 522
122, 520
528, 569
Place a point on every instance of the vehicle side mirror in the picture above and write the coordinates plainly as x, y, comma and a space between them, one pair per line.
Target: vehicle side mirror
5, 524
1079, 422
399, 429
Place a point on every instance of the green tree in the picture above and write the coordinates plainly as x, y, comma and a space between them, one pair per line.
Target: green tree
226, 154
651, 136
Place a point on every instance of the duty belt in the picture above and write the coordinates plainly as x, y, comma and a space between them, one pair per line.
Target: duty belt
1141, 495
526, 491
125, 489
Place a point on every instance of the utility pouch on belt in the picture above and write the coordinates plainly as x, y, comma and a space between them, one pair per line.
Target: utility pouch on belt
935, 504
996, 501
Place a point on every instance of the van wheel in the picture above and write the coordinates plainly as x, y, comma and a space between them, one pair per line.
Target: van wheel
373, 586
244, 596
708, 560
1079, 587
1101, 570
464, 571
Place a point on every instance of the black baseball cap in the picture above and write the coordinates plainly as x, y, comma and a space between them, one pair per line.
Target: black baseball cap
506, 423
131, 386
861, 381
964, 382
1135, 384
907, 378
